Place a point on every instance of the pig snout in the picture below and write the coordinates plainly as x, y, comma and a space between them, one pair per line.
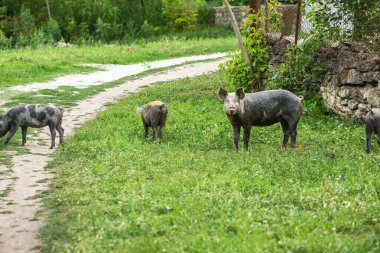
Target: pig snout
232, 110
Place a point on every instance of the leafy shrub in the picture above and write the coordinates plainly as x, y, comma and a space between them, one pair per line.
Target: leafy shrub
102, 30
206, 13
26, 24
51, 29
236, 69
302, 70
5, 43
39, 38
346, 18
179, 14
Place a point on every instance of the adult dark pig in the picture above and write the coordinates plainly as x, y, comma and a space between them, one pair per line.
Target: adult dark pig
154, 114
262, 109
372, 124
35, 116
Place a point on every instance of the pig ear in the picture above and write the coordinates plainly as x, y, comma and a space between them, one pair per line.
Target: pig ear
240, 93
222, 93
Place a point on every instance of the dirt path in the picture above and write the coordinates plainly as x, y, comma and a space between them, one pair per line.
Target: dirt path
21, 214
111, 73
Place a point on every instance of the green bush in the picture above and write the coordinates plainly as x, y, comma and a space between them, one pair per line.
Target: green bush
302, 70
102, 30
51, 29
179, 14
236, 69
206, 13
5, 43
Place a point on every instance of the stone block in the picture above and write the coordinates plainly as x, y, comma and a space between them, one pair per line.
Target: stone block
353, 104
372, 96
344, 92
371, 77
351, 77
363, 107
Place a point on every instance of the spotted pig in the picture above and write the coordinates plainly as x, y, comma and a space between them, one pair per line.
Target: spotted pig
154, 114
34, 115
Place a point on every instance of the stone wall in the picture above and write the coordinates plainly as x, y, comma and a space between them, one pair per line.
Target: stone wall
240, 12
352, 83
222, 18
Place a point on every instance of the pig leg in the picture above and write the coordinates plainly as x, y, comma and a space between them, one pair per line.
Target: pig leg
236, 132
285, 129
293, 133
247, 133
60, 131
292, 124
52, 134
154, 133
160, 133
146, 130
24, 130
12, 131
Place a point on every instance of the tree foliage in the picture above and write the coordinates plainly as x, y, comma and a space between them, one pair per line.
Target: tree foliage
94, 20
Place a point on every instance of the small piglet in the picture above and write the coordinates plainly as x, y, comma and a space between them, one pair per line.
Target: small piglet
154, 114
372, 124
262, 109
34, 115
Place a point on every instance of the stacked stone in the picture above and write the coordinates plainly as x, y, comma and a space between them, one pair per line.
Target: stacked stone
352, 84
222, 18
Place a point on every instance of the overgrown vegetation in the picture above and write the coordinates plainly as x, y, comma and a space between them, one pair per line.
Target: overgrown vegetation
253, 33
193, 193
303, 69
358, 20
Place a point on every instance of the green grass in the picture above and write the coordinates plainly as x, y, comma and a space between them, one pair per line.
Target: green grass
116, 192
36, 65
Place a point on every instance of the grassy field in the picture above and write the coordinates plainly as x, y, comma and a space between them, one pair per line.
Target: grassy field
24, 66
116, 192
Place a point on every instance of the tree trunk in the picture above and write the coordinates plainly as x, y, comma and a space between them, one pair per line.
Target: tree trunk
254, 6
266, 16
239, 38
48, 8
143, 6
94, 7
298, 20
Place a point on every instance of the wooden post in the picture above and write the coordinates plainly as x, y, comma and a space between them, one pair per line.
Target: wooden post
266, 16
239, 38
297, 21
48, 8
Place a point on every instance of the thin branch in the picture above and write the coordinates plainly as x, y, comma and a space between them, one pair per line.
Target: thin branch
239, 38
